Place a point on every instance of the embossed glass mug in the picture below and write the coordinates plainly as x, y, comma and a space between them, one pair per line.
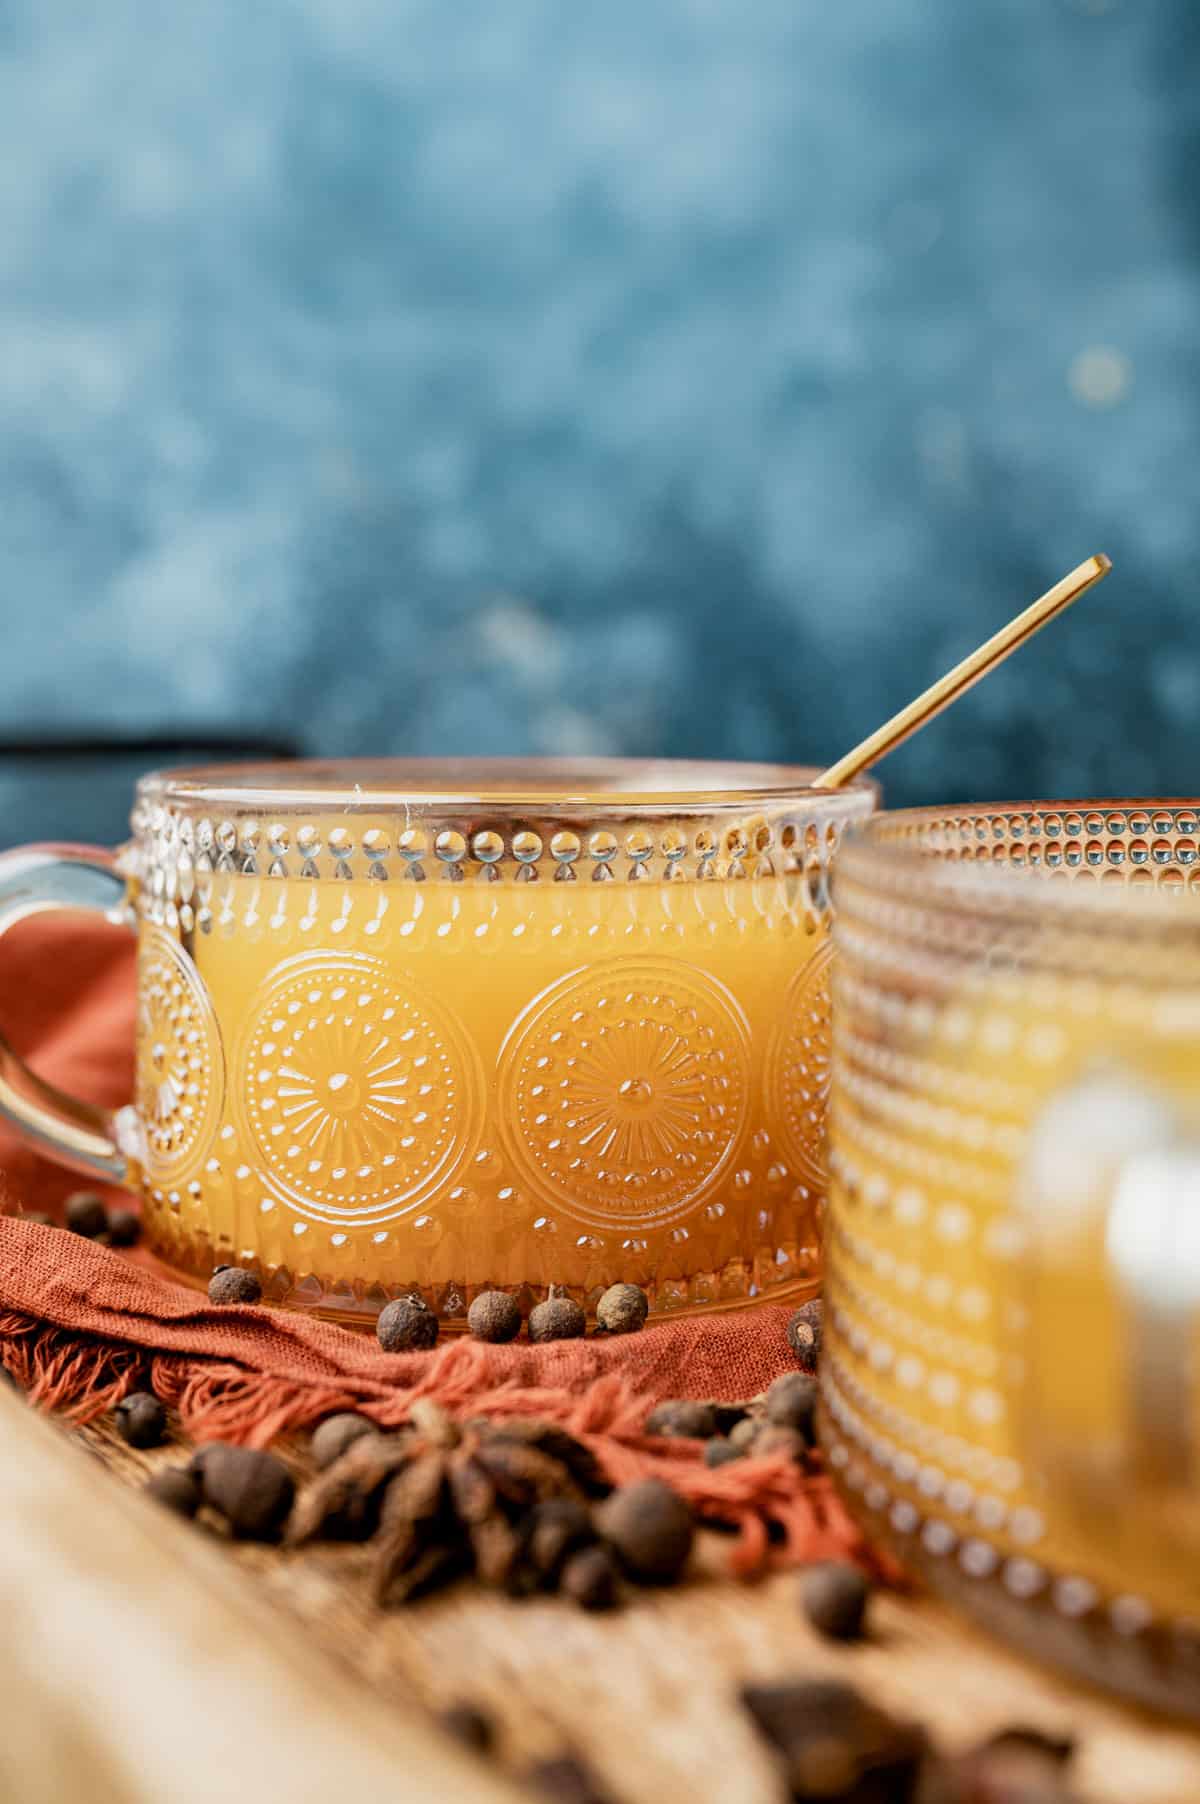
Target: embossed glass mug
456, 1026
1011, 1375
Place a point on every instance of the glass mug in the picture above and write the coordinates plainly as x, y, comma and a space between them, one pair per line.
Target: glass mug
1011, 1386
456, 1026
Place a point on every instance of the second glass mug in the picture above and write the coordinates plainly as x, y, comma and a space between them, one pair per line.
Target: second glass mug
458, 1026
1011, 1371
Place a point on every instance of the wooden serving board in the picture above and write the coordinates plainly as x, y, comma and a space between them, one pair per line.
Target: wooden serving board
148, 1662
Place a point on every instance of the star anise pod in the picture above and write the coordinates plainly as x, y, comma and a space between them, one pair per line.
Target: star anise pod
464, 1497
421, 1543
556, 1444
343, 1503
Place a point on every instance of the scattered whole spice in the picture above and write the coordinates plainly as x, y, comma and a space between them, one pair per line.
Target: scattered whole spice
253, 1490
176, 1488
804, 1335
730, 1414
343, 1502
422, 1541
720, 1451
578, 1461
743, 1434
234, 1284
408, 1325
792, 1402
470, 1724
679, 1416
590, 1579
141, 1419
84, 1213
464, 1497
494, 1316
834, 1744
834, 1596
649, 1528
771, 1439
558, 1318
124, 1227
566, 1780
557, 1528
622, 1309
331, 1437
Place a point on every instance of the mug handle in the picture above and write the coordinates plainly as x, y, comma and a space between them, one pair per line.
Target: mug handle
1152, 1234
76, 879
1111, 1196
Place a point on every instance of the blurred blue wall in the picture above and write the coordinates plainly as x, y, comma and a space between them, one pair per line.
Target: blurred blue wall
663, 375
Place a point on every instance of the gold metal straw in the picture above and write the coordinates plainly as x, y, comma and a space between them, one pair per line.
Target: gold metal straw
956, 682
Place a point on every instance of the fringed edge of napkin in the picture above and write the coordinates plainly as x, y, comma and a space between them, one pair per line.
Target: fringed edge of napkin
782, 1516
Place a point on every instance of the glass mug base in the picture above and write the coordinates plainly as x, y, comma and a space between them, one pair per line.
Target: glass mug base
454, 1028
1144, 1658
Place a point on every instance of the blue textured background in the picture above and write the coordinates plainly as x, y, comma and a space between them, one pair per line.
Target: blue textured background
666, 375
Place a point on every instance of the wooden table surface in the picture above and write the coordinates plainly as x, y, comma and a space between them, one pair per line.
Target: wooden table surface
647, 1695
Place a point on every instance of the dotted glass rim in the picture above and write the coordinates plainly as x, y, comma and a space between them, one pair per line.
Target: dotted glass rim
497, 820
982, 860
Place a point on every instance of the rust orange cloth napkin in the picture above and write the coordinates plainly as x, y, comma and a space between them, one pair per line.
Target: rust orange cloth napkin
81, 1325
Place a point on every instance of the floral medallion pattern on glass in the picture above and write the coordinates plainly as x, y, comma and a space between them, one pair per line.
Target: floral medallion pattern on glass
798, 1067
359, 1093
624, 1089
180, 1062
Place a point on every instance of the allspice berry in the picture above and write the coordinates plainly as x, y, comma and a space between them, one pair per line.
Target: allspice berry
176, 1488
234, 1284
720, 1451
649, 1528
792, 1402
680, 1416
408, 1325
590, 1579
835, 1743
141, 1419
124, 1227
559, 1318
469, 1724
331, 1437
85, 1213
622, 1309
834, 1596
804, 1335
253, 1490
494, 1316
564, 1779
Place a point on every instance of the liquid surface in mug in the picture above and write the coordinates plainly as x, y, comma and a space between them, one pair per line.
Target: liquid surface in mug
460, 1085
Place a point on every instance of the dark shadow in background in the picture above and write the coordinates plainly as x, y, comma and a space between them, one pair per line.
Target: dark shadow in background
80, 789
